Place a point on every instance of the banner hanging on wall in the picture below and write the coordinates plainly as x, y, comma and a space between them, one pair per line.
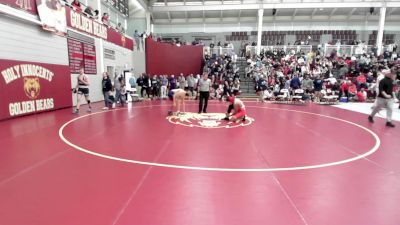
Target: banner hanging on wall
52, 15
57, 19
28, 88
82, 23
25, 5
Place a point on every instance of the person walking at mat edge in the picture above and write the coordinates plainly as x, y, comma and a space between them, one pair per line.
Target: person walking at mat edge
385, 99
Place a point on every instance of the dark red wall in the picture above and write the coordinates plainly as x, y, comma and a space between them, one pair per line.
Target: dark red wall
165, 58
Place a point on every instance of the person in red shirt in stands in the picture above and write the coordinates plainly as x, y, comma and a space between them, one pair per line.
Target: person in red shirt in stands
352, 89
344, 89
77, 5
361, 81
105, 19
348, 61
361, 95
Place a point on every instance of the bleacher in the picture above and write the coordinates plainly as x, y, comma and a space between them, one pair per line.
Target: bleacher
274, 37
387, 38
238, 36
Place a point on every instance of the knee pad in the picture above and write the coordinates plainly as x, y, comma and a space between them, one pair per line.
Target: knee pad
88, 101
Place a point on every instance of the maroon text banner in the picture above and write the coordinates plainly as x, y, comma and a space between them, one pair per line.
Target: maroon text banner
28, 87
75, 20
26, 5
80, 22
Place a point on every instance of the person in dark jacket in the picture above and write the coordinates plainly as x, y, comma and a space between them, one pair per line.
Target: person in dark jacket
295, 83
172, 82
146, 86
261, 87
107, 86
139, 83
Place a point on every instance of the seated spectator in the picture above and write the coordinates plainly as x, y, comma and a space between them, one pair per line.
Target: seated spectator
344, 89
352, 89
77, 5
236, 87
361, 81
295, 82
361, 95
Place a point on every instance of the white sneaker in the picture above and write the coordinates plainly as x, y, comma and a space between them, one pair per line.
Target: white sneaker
113, 106
105, 108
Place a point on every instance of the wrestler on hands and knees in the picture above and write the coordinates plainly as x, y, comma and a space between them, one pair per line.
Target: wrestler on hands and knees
236, 110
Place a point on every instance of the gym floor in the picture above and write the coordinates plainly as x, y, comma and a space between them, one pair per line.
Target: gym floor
285, 165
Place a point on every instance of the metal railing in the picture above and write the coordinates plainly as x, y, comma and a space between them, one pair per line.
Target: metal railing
341, 50
251, 50
346, 50
349, 50
218, 51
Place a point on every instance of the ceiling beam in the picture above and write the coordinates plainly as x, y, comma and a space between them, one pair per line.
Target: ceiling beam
144, 4
332, 13
274, 6
294, 14
313, 13
391, 11
169, 16
351, 13
151, 2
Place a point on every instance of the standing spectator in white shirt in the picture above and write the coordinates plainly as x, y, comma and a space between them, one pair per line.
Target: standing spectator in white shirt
164, 84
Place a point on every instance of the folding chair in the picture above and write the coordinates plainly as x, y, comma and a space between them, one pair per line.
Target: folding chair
298, 96
283, 97
329, 97
134, 95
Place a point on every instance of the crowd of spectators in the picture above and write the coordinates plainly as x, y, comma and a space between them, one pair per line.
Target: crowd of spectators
352, 77
221, 70
94, 14
224, 74
159, 86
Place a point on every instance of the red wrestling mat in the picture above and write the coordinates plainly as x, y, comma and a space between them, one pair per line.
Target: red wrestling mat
283, 165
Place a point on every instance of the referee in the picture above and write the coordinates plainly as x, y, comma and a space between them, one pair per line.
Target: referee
204, 89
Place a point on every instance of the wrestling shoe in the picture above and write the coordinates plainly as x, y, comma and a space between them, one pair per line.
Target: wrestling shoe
389, 124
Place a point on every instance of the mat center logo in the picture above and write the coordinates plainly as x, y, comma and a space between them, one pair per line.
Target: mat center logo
31, 87
207, 120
